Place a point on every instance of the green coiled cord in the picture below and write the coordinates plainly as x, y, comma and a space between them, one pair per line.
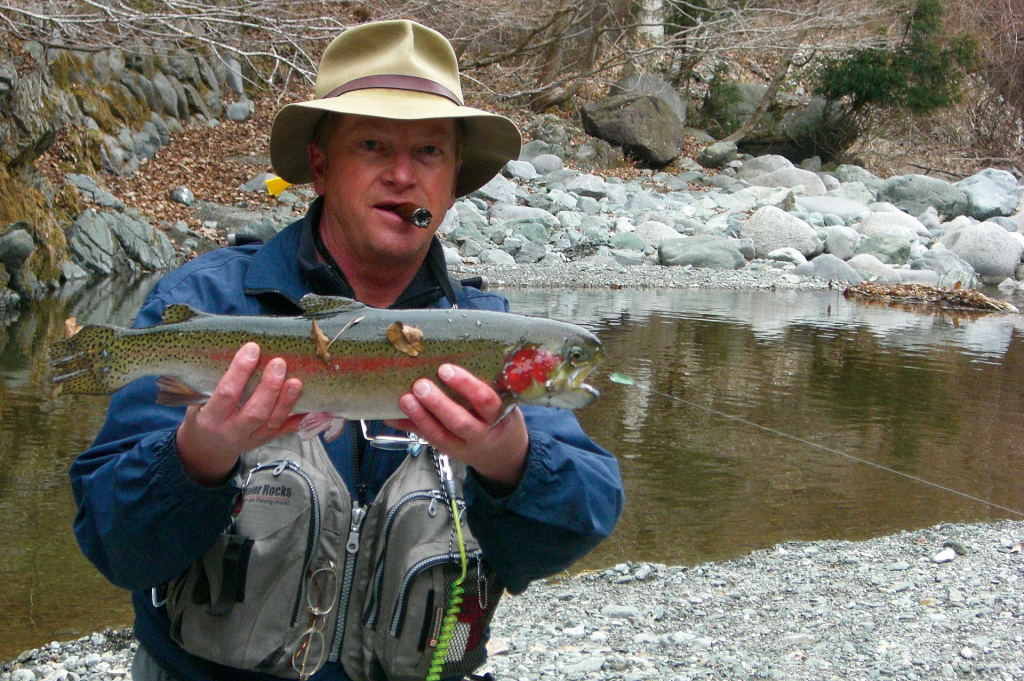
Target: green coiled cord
451, 617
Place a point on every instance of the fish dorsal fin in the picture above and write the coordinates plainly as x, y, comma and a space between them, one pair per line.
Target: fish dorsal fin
180, 312
315, 305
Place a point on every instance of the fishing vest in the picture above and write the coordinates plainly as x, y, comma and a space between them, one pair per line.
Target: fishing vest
303, 575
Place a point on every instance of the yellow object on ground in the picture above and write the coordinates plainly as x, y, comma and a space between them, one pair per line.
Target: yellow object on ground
276, 185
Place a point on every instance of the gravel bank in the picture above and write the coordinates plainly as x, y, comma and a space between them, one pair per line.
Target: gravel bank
943, 602
600, 273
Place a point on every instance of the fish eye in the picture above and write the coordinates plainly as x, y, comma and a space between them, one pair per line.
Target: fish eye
575, 355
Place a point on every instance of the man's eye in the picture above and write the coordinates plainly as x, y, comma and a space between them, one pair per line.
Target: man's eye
431, 150
371, 144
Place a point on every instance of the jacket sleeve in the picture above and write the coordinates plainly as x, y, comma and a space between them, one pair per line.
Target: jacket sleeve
141, 520
568, 501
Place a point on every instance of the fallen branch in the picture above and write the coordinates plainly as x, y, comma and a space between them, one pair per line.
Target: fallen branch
947, 298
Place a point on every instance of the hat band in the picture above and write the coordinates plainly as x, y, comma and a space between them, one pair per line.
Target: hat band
396, 82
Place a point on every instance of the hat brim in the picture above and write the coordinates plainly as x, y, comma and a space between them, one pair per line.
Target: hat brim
489, 141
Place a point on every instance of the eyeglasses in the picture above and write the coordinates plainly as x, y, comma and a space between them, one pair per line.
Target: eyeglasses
411, 442
321, 594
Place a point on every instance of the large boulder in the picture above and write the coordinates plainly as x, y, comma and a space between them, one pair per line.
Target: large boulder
991, 193
646, 84
993, 252
950, 268
702, 250
643, 125
914, 193
772, 228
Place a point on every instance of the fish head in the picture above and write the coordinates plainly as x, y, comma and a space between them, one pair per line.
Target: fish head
551, 373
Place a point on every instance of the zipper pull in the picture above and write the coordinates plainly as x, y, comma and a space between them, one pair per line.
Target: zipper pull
280, 468
358, 515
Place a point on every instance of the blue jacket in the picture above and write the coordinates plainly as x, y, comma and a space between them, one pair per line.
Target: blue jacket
142, 521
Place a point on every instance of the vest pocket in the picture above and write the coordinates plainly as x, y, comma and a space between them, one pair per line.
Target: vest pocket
266, 592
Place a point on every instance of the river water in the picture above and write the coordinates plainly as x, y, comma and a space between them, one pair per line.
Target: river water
738, 432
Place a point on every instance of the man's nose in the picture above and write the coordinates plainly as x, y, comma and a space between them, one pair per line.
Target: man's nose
400, 171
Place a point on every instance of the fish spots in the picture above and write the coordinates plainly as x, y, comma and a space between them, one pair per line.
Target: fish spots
526, 366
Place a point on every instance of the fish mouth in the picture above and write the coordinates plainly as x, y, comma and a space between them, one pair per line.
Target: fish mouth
567, 389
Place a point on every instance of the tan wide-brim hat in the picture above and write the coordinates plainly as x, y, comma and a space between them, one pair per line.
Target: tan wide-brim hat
398, 70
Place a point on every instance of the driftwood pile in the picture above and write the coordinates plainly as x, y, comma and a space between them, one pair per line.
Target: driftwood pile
947, 298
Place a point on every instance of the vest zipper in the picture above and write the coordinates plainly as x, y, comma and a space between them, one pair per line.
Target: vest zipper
351, 552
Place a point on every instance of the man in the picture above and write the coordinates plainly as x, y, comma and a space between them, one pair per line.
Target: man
387, 127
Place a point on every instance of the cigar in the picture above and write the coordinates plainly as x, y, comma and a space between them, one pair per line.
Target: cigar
410, 212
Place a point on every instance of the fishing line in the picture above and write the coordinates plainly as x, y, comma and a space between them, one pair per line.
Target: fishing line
622, 379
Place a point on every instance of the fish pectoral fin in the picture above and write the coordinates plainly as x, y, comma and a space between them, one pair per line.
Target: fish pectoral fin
180, 312
314, 305
174, 393
508, 405
316, 422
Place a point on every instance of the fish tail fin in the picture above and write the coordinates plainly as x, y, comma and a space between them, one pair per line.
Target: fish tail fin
81, 364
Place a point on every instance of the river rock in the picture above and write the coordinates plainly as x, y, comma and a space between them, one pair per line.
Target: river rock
545, 164
240, 111
496, 256
869, 264
771, 228
832, 205
183, 195
716, 155
888, 248
991, 193
703, 250
646, 84
950, 267
506, 212
914, 193
15, 247
787, 254
498, 189
893, 224
519, 170
851, 173
830, 268
644, 126
791, 178
992, 251
652, 233
763, 165
841, 241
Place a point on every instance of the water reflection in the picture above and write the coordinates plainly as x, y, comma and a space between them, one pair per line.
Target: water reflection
929, 394
933, 395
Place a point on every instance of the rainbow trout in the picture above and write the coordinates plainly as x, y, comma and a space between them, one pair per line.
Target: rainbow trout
354, 361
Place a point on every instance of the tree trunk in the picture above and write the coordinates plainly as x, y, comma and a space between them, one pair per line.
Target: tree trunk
769, 95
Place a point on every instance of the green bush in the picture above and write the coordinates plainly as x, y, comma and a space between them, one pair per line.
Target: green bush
921, 75
722, 94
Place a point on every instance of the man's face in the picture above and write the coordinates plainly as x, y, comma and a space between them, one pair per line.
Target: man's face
372, 165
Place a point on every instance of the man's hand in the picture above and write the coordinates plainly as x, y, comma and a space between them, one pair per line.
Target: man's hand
496, 452
214, 435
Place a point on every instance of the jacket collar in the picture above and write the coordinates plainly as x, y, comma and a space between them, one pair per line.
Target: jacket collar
287, 267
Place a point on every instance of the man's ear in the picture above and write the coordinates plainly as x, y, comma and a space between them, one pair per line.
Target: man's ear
318, 166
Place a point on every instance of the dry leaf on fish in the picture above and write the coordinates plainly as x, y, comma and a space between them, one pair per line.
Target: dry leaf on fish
405, 338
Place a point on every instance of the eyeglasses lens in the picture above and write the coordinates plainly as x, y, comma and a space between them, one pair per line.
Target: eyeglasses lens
310, 653
323, 590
